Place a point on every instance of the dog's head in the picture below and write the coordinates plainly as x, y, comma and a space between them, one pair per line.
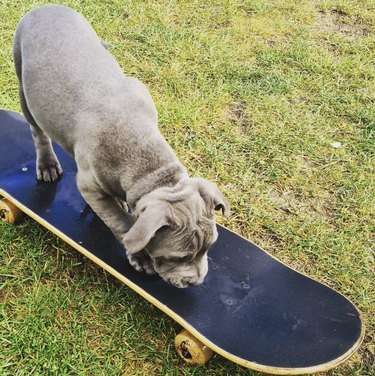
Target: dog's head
176, 227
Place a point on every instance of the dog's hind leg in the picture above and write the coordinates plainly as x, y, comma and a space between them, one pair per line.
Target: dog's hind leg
48, 168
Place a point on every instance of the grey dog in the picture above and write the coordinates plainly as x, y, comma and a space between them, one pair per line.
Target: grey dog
74, 92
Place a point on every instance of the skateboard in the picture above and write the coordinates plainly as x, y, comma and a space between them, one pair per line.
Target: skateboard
252, 309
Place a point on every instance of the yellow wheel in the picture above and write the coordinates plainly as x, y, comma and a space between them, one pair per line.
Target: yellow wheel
9, 213
191, 350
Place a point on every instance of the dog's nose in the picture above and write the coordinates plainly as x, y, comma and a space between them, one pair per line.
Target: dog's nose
198, 280
196, 283
181, 284
184, 282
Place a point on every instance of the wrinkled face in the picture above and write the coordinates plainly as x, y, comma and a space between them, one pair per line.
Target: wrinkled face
176, 227
179, 251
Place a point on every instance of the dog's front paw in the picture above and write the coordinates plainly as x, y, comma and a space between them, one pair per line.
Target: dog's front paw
48, 169
141, 262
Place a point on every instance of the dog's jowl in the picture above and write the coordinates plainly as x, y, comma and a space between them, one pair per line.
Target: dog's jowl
74, 92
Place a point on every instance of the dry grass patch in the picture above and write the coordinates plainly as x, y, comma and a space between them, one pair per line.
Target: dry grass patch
336, 21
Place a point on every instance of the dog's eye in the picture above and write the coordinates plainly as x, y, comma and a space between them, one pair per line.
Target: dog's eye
178, 260
159, 261
172, 260
163, 228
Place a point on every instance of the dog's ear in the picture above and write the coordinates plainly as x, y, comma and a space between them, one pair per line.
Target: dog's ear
150, 220
211, 195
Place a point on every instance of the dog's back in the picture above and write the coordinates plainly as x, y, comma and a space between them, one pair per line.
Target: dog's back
61, 62
58, 45
78, 95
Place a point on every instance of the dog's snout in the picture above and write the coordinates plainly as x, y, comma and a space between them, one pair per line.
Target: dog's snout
182, 284
196, 283
186, 274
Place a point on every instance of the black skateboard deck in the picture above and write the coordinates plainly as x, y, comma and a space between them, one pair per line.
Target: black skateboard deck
251, 309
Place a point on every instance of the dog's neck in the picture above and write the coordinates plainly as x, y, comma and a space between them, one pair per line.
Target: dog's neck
166, 176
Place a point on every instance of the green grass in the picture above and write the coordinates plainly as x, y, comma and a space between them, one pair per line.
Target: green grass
250, 94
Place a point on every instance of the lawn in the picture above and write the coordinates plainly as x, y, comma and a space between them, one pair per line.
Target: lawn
272, 100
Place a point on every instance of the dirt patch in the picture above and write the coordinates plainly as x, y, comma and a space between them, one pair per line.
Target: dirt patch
291, 203
236, 115
336, 22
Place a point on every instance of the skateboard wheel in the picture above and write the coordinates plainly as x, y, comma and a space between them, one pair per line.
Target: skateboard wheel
191, 350
9, 213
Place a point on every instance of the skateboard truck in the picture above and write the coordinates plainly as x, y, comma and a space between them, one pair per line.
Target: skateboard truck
9, 213
191, 350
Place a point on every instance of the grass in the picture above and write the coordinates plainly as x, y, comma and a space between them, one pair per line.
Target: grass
250, 94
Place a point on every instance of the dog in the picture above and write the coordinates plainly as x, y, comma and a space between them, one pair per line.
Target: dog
73, 91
